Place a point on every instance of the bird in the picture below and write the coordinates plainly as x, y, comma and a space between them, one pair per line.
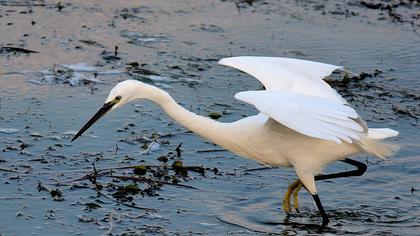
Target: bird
301, 123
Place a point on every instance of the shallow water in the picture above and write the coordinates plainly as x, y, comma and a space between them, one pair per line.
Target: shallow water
182, 41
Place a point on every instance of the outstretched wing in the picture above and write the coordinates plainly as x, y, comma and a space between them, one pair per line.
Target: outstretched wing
297, 96
313, 116
287, 74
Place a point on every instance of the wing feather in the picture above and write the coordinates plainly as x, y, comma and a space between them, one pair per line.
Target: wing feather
310, 115
288, 74
348, 123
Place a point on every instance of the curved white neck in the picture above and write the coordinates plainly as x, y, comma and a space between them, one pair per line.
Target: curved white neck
203, 126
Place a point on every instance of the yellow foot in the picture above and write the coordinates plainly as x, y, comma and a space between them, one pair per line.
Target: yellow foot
296, 195
289, 192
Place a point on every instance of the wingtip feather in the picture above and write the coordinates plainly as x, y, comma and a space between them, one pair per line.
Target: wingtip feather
225, 61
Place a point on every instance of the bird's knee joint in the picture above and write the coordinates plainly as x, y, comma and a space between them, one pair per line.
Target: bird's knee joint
361, 169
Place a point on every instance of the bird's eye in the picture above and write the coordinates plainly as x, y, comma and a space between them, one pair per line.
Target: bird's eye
118, 98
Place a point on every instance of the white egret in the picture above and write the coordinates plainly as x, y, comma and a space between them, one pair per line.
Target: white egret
303, 123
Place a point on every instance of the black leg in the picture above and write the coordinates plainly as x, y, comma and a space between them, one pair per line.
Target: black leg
321, 210
361, 168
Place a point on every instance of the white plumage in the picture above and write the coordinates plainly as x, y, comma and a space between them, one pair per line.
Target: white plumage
287, 74
297, 96
313, 116
303, 122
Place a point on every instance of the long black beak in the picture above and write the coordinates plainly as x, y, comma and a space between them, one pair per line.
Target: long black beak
104, 109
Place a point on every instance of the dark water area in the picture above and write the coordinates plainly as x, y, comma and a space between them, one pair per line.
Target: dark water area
47, 94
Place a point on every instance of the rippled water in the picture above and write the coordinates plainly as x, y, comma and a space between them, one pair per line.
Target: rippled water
197, 34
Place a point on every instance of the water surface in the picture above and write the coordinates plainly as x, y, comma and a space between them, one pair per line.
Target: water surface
181, 41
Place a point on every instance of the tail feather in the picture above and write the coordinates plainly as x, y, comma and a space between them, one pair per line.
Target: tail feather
383, 133
373, 145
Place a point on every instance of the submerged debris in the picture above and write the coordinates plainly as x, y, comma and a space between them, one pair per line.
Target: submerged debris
8, 130
74, 74
57, 195
400, 11
23, 3
215, 115
79, 67
91, 43
357, 88
137, 68
208, 28
143, 39
110, 56
60, 6
177, 165
163, 159
145, 180
15, 50
134, 13
404, 110
140, 170
123, 192
143, 73
92, 206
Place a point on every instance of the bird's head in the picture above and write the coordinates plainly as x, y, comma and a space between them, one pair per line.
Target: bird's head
124, 92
